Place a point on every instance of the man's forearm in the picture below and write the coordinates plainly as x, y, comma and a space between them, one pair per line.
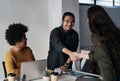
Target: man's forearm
66, 51
73, 55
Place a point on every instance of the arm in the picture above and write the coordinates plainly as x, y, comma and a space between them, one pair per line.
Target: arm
10, 65
103, 58
66, 65
74, 44
73, 55
107, 70
56, 41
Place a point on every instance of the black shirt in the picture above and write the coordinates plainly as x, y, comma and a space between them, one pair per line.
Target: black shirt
59, 39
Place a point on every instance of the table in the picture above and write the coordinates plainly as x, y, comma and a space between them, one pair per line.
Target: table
62, 78
88, 79
66, 77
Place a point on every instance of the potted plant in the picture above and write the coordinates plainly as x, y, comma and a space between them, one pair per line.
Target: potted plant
46, 76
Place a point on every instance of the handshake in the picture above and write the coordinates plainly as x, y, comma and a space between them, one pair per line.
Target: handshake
77, 56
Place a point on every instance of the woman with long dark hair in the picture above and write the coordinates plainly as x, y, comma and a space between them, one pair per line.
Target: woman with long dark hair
106, 42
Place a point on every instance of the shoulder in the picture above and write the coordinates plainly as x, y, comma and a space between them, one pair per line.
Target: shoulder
95, 40
56, 29
94, 37
27, 49
74, 32
9, 53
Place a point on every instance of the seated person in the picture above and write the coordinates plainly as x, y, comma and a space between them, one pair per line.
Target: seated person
63, 44
16, 37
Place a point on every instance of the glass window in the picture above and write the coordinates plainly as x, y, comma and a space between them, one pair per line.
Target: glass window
86, 1
104, 2
101, 2
117, 3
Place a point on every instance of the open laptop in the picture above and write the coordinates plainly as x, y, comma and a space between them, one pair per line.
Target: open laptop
33, 69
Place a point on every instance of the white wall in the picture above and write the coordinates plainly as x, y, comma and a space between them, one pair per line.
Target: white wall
72, 6
55, 13
84, 29
41, 16
32, 13
57, 9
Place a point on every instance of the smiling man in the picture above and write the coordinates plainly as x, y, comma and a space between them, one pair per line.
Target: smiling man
63, 44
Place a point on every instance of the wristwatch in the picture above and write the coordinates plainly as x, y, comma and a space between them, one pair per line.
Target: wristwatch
67, 64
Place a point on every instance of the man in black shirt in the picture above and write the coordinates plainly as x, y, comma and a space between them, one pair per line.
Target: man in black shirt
63, 44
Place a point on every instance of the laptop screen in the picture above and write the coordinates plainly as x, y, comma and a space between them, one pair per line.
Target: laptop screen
33, 69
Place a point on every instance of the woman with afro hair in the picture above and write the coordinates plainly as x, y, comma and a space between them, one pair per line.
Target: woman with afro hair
16, 37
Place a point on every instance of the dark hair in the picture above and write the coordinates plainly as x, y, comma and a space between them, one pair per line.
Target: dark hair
102, 25
15, 33
99, 20
68, 14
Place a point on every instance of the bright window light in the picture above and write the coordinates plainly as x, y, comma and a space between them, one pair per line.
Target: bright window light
104, 2
101, 2
117, 2
86, 1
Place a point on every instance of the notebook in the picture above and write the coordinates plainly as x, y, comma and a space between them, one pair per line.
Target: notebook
33, 69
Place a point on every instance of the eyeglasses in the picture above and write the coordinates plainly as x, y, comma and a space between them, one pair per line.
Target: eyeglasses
68, 21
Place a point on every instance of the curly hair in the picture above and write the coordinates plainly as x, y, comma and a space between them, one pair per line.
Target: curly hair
15, 32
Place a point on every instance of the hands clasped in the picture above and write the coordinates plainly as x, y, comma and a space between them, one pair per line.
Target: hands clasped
77, 56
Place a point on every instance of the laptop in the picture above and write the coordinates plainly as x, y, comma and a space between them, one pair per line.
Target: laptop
33, 70
88, 79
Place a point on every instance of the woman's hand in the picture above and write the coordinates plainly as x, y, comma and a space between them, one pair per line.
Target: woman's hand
74, 56
84, 55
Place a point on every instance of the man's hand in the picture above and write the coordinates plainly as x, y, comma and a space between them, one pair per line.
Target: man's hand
73, 55
63, 68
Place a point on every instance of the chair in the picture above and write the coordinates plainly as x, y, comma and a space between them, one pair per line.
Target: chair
5, 72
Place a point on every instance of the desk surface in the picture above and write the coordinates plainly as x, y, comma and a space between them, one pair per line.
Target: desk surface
62, 78
67, 77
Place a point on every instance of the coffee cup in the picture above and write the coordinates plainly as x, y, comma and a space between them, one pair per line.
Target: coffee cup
54, 76
46, 78
11, 76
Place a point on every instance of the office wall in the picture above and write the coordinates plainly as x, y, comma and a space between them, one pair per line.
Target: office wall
41, 16
85, 40
72, 6
32, 13
55, 13
57, 9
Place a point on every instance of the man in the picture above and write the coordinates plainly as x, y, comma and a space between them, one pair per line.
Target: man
63, 44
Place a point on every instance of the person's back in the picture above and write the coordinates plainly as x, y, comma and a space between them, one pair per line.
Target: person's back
106, 42
106, 61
